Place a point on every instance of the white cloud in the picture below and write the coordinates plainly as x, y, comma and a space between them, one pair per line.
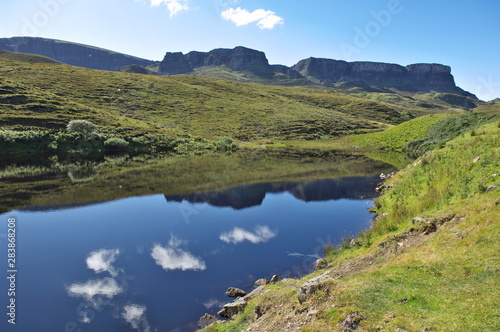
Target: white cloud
135, 315
173, 6
102, 261
107, 287
265, 19
237, 235
172, 257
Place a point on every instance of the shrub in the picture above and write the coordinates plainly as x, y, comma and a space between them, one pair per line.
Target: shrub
116, 143
227, 144
83, 127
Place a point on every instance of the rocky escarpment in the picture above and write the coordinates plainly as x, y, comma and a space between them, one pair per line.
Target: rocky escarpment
72, 53
239, 59
422, 77
369, 76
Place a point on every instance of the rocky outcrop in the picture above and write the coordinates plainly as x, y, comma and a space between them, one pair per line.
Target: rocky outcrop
235, 292
232, 309
287, 71
174, 64
310, 287
72, 53
239, 59
421, 77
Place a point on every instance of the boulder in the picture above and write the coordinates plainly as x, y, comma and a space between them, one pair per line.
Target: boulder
257, 291
491, 188
206, 319
351, 322
308, 288
274, 279
261, 282
232, 309
321, 264
235, 292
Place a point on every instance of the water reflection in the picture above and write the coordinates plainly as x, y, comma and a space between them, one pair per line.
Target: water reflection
136, 263
246, 196
172, 257
135, 315
102, 261
238, 235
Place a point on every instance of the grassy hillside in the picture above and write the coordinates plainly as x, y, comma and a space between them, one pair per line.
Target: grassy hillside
438, 272
30, 58
46, 96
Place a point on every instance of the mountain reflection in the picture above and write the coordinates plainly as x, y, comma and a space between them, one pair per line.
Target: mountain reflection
246, 196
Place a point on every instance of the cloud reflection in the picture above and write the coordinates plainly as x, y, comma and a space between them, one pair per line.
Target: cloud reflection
102, 261
172, 257
107, 287
135, 315
238, 235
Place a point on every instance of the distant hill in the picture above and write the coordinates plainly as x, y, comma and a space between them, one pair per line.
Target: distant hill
72, 53
248, 65
44, 96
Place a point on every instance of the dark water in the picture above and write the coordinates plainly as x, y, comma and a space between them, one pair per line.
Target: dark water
159, 262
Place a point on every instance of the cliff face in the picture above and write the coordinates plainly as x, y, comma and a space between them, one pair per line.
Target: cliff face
239, 58
366, 75
71, 53
416, 77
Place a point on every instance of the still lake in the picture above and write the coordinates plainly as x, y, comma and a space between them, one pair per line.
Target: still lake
153, 248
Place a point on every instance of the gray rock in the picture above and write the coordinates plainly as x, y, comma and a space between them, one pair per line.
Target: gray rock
206, 320
351, 322
307, 289
274, 279
257, 291
491, 188
235, 292
421, 220
232, 309
261, 282
321, 263
400, 330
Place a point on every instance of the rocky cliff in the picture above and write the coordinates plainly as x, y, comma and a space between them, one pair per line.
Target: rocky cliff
239, 59
72, 53
416, 77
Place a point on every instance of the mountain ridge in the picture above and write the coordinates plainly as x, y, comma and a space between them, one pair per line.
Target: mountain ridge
370, 76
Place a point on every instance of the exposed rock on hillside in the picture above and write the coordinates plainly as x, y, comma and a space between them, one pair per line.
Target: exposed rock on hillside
239, 59
72, 53
417, 77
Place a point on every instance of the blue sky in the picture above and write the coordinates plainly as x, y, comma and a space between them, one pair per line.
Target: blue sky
460, 33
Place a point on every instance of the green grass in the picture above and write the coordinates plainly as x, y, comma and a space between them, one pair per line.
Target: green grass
42, 96
29, 58
396, 138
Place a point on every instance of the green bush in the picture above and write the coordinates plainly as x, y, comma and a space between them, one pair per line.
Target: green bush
25, 141
82, 127
226, 144
116, 143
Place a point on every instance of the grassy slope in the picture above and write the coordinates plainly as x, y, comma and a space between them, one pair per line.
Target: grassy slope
402, 277
37, 95
396, 138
